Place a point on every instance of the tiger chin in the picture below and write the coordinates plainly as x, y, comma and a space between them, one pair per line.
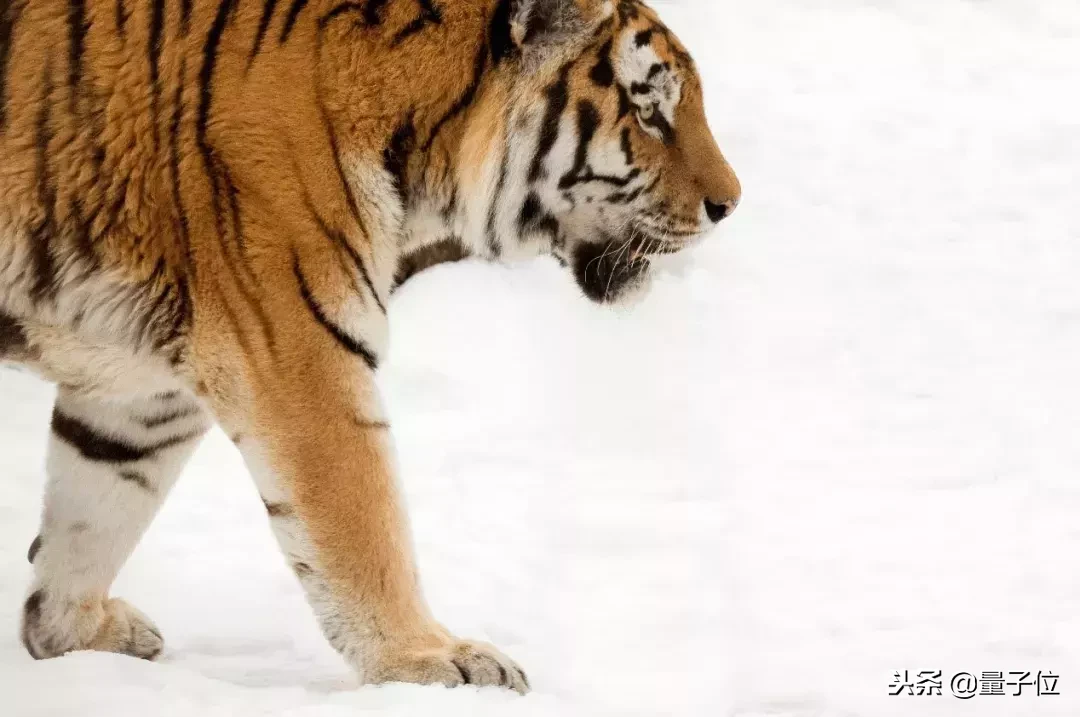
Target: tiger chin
204, 210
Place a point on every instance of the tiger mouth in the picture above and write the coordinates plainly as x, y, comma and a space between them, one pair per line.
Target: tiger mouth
662, 248
649, 243
606, 269
609, 269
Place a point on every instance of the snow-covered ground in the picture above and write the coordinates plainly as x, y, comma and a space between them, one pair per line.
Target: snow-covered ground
836, 442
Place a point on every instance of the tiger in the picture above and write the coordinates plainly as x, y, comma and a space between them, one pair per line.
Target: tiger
205, 208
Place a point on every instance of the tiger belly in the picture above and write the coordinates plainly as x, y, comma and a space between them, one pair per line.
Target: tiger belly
61, 356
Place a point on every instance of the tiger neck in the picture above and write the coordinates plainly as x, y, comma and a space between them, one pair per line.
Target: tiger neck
485, 202
461, 164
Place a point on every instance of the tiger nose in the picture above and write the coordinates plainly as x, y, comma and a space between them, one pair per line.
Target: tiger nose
718, 211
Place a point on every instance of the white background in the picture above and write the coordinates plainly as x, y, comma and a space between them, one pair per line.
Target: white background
837, 441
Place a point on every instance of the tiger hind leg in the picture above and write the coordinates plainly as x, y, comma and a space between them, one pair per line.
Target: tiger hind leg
110, 465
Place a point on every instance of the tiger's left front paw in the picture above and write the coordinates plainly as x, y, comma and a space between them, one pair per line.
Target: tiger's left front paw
51, 628
456, 663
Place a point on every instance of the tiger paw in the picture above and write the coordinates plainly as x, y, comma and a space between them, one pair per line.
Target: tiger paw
53, 628
459, 662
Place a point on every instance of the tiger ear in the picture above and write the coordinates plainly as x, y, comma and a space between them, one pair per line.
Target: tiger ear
541, 22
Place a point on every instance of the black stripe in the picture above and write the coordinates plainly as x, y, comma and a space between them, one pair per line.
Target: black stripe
95, 446
290, 19
163, 307
264, 24
396, 156
157, 25
535, 219
643, 38
354, 346
430, 14
45, 230
408, 31
159, 313
627, 147
185, 17
277, 510
539, 23
442, 251
373, 12
121, 18
232, 197
602, 28
34, 548
212, 165
342, 9
115, 207
342, 178
78, 230
625, 105
603, 73
450, 209
625, 197
9, 18
659, 121
220, 200
558, 98
548, 224
338, 239
165, 418
500, 38
351, 201
230, 314
228, 190
583, 177
174, 160
183, 310
530, 210
581, 172
206, 80
493, 209
135, 477
76, 20
12, 336
466, 99
588, 122
431, 11
628, 10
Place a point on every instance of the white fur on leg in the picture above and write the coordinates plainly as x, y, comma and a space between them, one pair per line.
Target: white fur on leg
110, 466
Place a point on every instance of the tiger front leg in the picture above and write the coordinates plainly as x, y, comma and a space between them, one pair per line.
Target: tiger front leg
319, 448
111, 463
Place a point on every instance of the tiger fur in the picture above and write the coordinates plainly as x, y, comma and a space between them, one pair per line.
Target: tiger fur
205, 206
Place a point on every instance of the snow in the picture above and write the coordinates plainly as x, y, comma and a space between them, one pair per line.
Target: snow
835, 442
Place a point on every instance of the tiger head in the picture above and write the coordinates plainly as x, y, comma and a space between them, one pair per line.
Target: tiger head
607, 155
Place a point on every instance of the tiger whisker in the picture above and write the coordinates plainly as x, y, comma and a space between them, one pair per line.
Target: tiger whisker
618, 258
608, 252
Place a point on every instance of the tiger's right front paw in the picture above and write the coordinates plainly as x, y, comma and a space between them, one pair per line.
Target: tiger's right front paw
459, 662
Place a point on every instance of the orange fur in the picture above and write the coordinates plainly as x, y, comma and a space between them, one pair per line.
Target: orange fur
221, 199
